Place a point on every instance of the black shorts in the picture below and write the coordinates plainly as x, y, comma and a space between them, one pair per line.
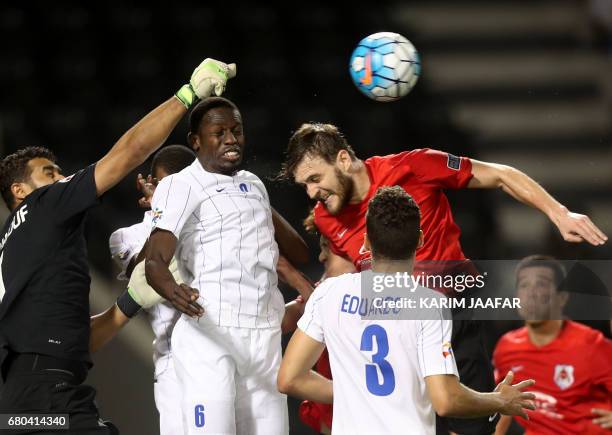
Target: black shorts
45, 385
475, 371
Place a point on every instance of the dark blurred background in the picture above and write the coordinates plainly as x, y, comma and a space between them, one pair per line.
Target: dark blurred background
525, 83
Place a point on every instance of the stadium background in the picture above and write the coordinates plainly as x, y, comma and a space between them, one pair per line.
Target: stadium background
526, 83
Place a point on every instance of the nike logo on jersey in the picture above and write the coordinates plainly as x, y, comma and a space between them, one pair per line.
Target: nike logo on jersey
492, 417
220, 189
342, 233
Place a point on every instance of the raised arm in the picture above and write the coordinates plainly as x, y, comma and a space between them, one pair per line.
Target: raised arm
137, 144
290, 243
140, 141
450, 398
574, 227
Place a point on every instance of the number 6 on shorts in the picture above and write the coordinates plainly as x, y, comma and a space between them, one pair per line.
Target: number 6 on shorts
199, 416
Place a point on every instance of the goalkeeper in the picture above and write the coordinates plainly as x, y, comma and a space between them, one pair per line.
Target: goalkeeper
44, 281
127, 249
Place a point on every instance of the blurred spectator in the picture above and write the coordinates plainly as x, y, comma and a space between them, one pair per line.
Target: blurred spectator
570, 362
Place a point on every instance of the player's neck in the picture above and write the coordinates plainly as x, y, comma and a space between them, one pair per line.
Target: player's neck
543, 333
392, 266
361, 180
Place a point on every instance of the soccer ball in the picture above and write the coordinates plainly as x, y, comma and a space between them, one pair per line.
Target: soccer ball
385, 66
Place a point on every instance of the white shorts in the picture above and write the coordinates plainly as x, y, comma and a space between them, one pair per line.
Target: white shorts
227, 377
167, 393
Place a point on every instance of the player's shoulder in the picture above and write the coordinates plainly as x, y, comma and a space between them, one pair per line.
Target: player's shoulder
244, 175
395, 165
512, 339
190, 176
244, 178
394, 159
329, 286
583, 334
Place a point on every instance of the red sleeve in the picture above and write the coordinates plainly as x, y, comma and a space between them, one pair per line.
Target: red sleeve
601, 363
499, 372
440, 169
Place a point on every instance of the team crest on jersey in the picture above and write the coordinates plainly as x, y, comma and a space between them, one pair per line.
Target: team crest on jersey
243, 187
156, 215
447, 350
454, 162
564, 376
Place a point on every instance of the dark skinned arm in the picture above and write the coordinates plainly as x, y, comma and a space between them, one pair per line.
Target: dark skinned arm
293, 312
290, 243
161, 247
293, 277
137, 259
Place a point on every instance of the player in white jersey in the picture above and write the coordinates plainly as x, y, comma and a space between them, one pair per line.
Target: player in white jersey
218, 222
125, 245
389, 376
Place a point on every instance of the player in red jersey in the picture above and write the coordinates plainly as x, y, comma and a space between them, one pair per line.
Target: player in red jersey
570, 362
319, 158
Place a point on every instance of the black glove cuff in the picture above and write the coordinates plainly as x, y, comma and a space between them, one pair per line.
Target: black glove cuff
127, 305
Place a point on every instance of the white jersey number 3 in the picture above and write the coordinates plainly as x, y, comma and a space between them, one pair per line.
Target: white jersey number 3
378, 333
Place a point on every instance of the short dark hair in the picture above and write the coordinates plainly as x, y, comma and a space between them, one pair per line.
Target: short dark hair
201, 109
172, 159
548, 261
313, 139
393, 223
14, 169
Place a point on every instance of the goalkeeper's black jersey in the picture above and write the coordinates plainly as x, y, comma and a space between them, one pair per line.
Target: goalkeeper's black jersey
45, 281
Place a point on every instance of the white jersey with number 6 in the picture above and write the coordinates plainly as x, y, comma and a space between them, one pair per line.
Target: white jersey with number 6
226, 247
379, 366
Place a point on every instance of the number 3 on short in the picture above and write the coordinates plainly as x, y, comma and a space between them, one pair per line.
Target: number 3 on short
388, 377
199, 416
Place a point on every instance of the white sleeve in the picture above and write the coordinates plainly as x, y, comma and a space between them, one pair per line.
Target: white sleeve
173, 202
434, 350
311, 322
127, 242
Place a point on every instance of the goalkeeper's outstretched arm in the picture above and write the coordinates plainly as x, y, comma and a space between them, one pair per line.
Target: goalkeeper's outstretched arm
148, 134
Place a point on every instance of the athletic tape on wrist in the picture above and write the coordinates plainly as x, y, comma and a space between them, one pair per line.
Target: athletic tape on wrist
127, 304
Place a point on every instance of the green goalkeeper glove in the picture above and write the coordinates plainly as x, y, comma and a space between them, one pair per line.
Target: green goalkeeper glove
209, 77
139, 294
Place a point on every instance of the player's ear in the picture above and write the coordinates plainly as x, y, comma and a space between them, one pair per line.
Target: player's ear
343, 160
20, 191
421, 239
194, 141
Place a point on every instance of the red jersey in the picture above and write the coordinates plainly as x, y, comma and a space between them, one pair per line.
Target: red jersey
573, 374
424, 174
